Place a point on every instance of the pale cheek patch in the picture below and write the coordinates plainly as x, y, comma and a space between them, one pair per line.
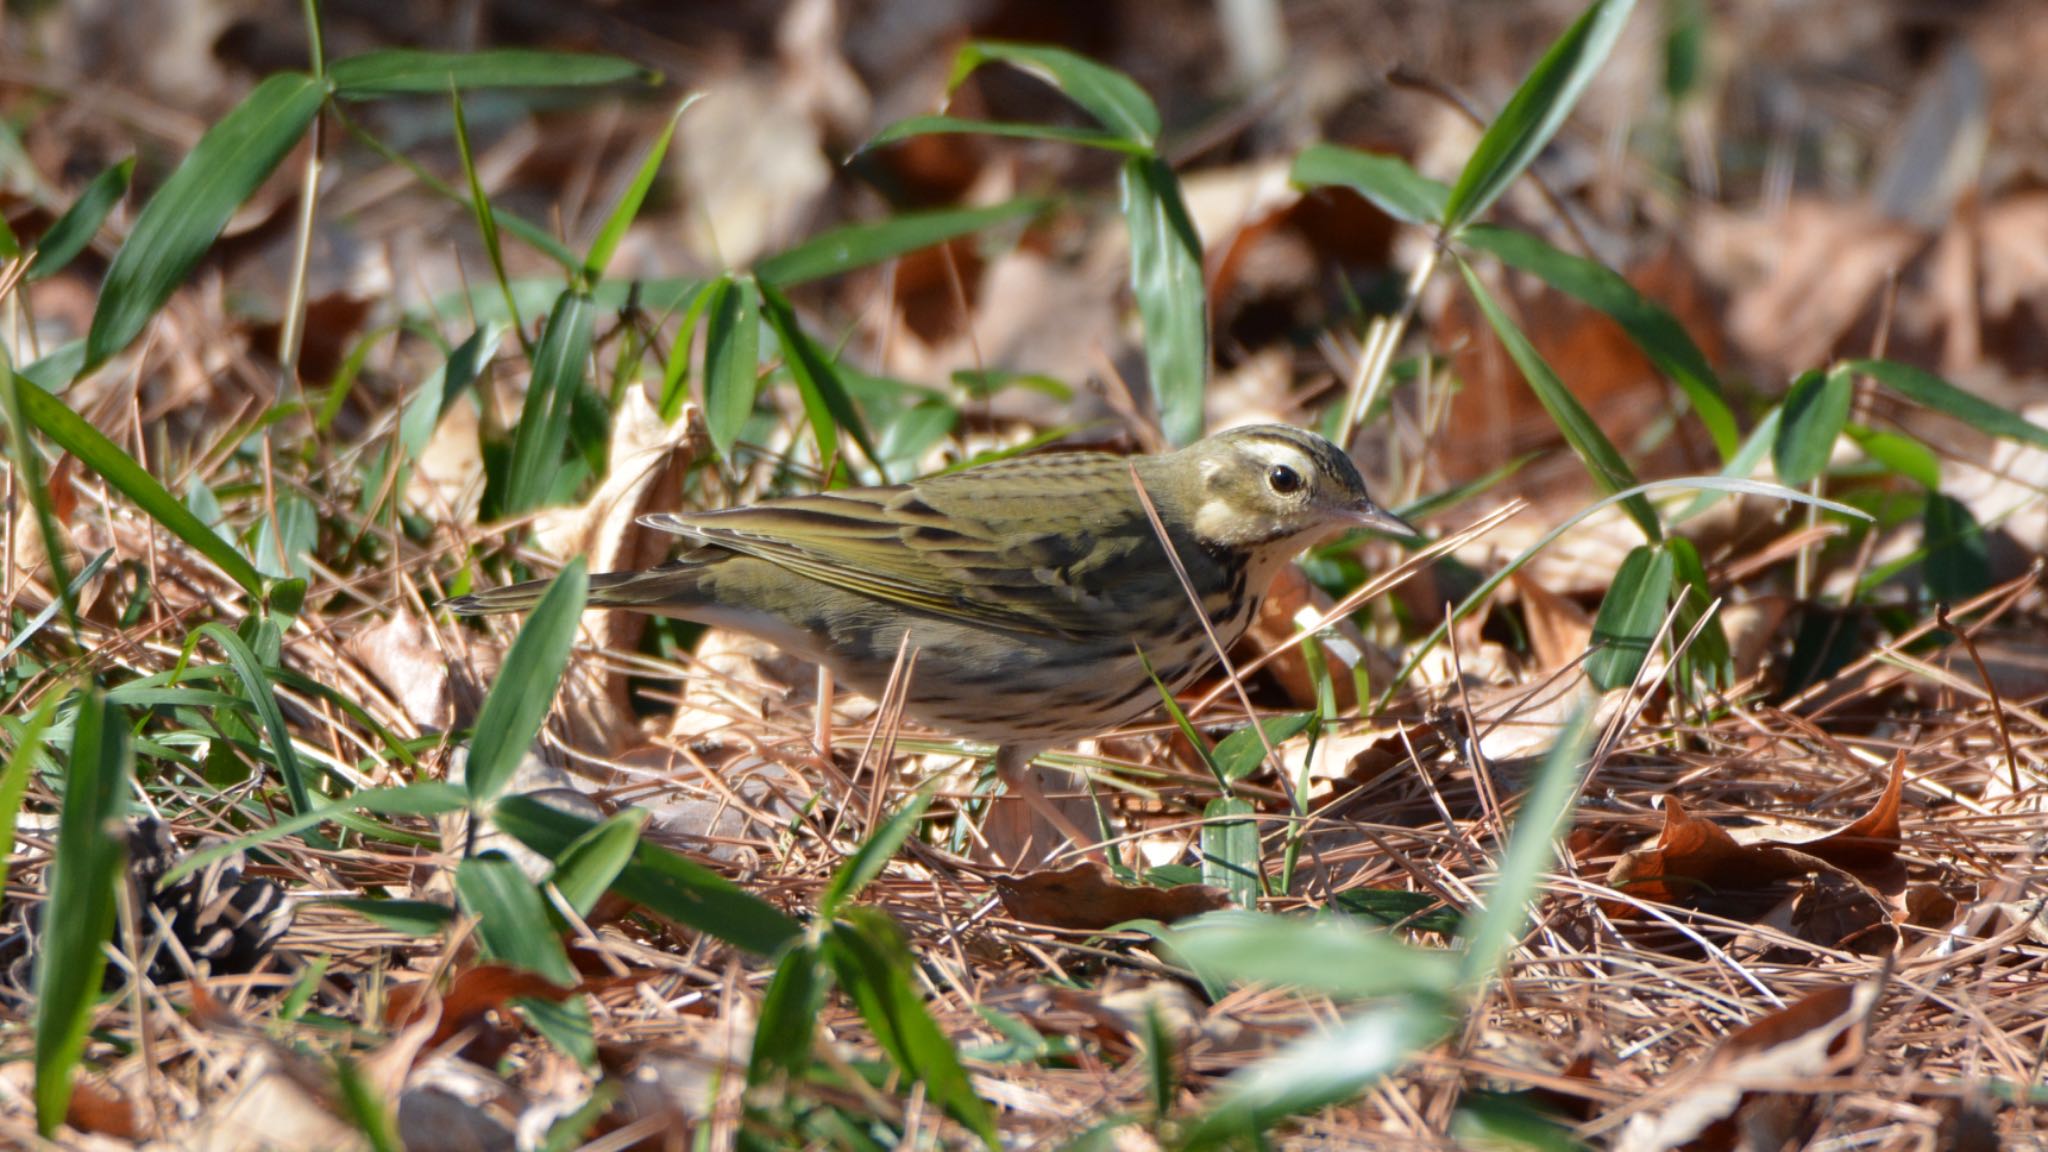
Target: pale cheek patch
1217, 520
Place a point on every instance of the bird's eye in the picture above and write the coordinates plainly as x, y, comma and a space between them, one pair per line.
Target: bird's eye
1283, 479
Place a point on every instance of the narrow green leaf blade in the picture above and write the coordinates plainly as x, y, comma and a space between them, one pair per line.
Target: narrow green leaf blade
188, 213
873, 967
962, 126
593, 860
621, 216
518, 702
1173, 301
818, 382
1239, 754
1532, 847
426, 798
560, 364
1536, 111
872, 856
21, 760
1657, 332
1112, 98
1608, 469
660, 880
1630, 616
1901, 453
1230, 850
408, 71
789, 1018
862, 245
1815, 412
1387, 181
79, 917
1924, 387
513, 926
1334, 955
263, 697
1958, 564
75, 228
732, 359
1709, 661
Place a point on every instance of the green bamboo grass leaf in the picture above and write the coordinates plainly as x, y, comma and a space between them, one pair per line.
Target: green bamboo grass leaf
789, 1018
1630, 616
432, 399
1536, 111
263, 697
1709, 661
659, 880
1501, 1121
732, 358
1387, 181
75, 228
675, 374
1239, 754
57, 369
1927, 389
1173, 301
862, 245
593, 860
427, 798
15, 402
1658, 333
513, 926
1721, 485
78, 920
365, 1107
560, 366
1815, 412
1958, 564
1321, 1068
519, 700
1609, 470
1746, 461
21, 761
868, 956
960, 125
826, 401
412, 72
188, 213
416, 918
10, 245
1531, 850
622, 214
1333, 956
867, 862
1230, 849
485, 216
1112, 98
1900, 453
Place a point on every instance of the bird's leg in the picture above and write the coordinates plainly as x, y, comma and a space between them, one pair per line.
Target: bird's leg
821, 721
1026, 834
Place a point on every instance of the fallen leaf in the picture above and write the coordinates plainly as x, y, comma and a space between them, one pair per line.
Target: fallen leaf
1086, 897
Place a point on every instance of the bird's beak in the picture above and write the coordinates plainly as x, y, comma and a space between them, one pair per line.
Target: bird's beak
1370, 515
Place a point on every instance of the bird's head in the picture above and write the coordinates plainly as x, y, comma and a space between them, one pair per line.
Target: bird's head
1271, 485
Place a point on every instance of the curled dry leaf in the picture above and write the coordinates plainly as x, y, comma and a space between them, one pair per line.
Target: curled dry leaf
1086, 897
398, 654
1727, 1097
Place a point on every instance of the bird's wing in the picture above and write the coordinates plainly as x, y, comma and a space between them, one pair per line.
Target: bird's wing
1039, 556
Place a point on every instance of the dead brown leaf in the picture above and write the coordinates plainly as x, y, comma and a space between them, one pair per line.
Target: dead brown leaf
1086, 897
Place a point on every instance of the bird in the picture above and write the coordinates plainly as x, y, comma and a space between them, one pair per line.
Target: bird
1037, 591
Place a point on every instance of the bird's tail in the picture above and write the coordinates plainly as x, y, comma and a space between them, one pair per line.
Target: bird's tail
652, 589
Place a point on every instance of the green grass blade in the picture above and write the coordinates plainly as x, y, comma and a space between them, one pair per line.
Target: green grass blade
789, 1018
1173, 301
1927, 389
560, 366
513, 926
593, 860
1334, 956
1958, 564
1387, 181
102, 456
1320, 1069
1112, 98
79, 916
188, 213
825, 398
659, 880
1532, 847
1658, 333
873, 966
426, 798
1230, 850
867, 862
960, 125
1609, 470
519, 699
263, 696
1708, 661
21, 761
1815, 412
412, 72
861, 245
75, 228
621, 216
1239, 754
28, 475
480, 209
732, 359
1536, 111
1630, 616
